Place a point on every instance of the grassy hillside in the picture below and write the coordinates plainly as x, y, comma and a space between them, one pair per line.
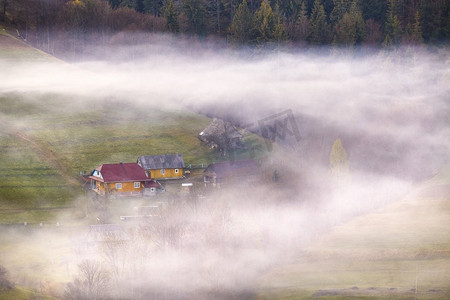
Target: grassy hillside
46, 140
12, 48
399, 252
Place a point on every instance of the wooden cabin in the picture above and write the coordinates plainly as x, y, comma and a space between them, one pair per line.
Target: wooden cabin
231, 171
123, 179
161, 167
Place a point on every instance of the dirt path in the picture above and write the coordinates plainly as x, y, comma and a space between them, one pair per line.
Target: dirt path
43, 152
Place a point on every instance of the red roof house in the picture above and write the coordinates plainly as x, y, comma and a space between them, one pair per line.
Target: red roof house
119, 179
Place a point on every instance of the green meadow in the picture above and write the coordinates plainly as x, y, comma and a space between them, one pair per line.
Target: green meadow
47, 140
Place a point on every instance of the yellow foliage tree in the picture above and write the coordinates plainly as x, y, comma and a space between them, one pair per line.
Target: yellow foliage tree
339, 167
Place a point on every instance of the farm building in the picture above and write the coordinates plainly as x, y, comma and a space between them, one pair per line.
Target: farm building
167, 166
152, 187
221, 135
230, 171
127, 179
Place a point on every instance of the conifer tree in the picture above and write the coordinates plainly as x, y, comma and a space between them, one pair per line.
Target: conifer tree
393, 26
302, 25
171, 16
340, 7
195, 12
278, 30
319, 26
350, 29
268, 24
416, 30
242, 27
345, 31
358, 22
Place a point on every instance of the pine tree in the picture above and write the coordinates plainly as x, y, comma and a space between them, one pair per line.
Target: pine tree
358, 22
302, 25
268, 24
195, 12
340, 7
242, 28
345, 31
278, 30
416, 30
393, 26
319, 26
350, 29
171, 16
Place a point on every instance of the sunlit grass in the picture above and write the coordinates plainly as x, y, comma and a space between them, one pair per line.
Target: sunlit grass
21, 293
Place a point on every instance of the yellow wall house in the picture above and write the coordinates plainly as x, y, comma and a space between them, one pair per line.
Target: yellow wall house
127, 179
168, 166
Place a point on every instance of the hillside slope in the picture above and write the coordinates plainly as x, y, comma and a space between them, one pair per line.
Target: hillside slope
401, 252
12, 48
47, 139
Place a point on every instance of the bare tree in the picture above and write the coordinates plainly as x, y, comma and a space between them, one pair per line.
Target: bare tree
92, 282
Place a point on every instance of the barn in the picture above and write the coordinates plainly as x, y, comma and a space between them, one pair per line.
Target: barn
161, 167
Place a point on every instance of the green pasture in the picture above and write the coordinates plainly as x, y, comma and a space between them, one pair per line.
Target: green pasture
47, 140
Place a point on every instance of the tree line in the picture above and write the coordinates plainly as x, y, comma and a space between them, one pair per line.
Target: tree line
240, 22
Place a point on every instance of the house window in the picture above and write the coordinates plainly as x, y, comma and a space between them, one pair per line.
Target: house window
118, 186
137, 185
176, 171
162, 171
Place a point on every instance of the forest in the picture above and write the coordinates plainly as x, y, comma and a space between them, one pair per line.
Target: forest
56, 26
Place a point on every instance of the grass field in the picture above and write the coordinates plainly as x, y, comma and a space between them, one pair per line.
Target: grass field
401, 251
46, 140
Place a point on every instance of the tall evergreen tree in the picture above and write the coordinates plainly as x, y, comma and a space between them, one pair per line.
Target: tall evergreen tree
350, 29
195, 12
288, 9
319, 33
345, 32
340, 7
393, 27
358, 21
278, 31
267, 24
242, 28
171, 15
214, 12
302, 25
416, 29
374, 9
